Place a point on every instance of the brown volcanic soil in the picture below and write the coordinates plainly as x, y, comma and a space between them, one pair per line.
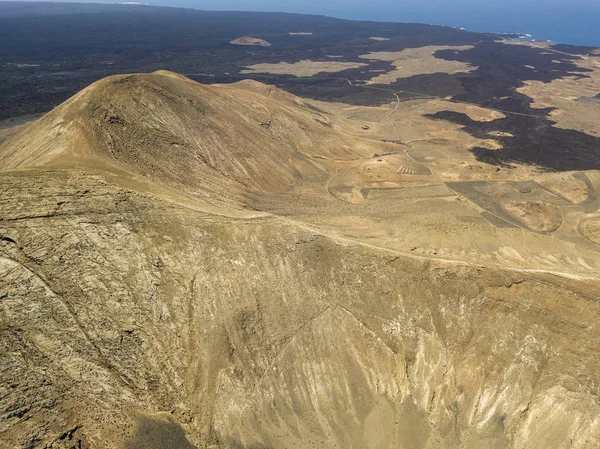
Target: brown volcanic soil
536, 216
590, 227
235, 267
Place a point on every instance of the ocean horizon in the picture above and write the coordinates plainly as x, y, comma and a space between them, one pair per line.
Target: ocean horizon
542, 19
560, 23
575, 24
563, 24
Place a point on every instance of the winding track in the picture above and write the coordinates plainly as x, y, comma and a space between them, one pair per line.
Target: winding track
389, 116
459, 195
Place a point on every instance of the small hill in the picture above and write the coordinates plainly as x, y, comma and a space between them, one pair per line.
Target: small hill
214, 141
247, 40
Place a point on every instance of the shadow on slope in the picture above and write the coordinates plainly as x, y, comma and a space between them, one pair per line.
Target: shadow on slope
158, 434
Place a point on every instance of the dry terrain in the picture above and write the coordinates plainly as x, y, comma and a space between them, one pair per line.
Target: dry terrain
232, 266
416, 61
574, 98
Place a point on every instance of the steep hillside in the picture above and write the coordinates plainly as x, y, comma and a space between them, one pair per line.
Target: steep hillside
126, 321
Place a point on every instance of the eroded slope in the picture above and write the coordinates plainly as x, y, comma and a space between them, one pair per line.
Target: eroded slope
118, 308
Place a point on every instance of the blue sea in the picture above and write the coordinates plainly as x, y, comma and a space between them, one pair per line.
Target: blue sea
562, 24
574, 22
563, 21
